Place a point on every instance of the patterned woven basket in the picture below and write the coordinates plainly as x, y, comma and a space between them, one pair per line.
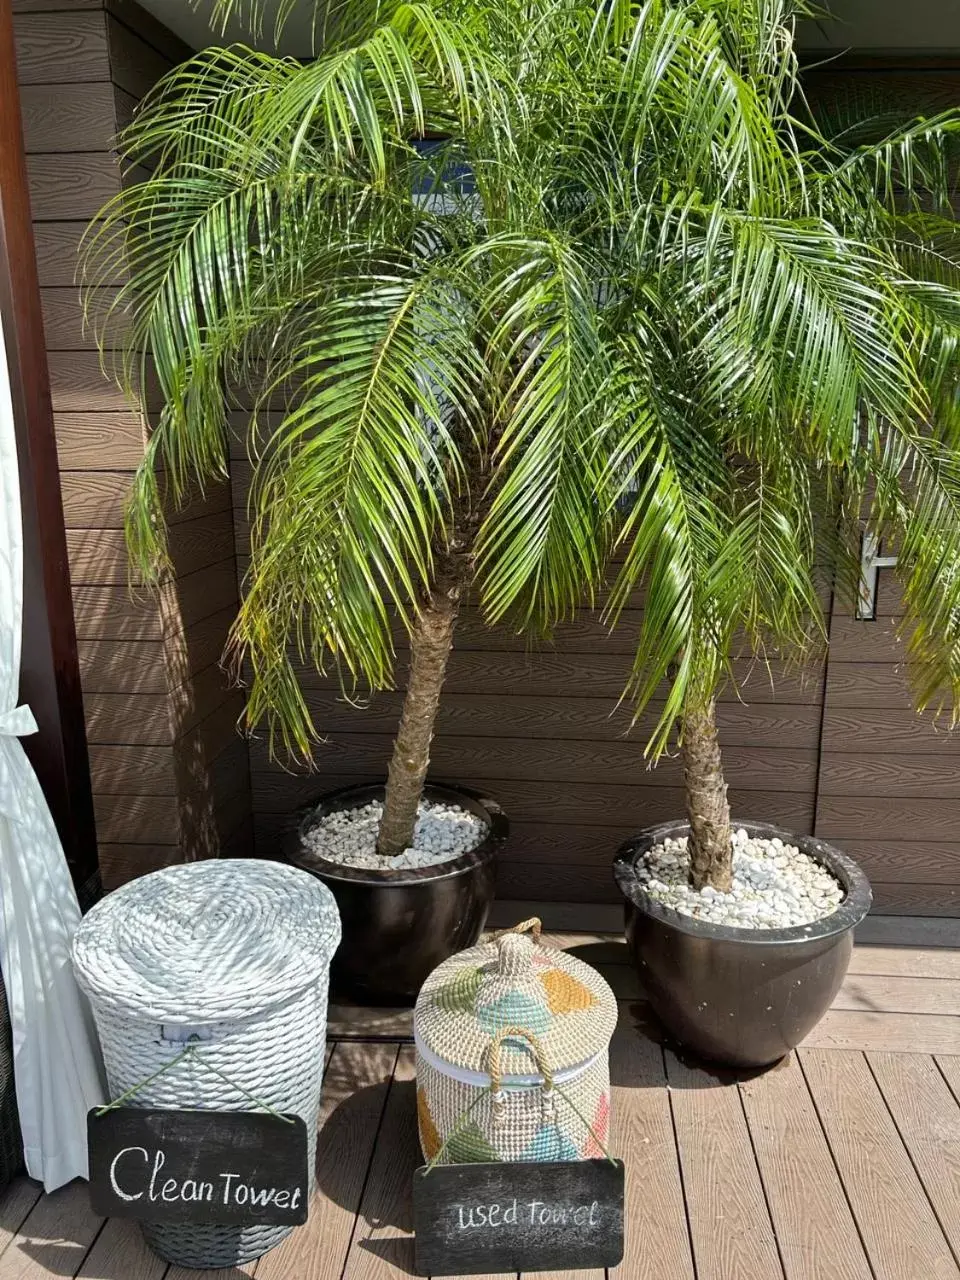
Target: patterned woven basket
512, 1064
236, 954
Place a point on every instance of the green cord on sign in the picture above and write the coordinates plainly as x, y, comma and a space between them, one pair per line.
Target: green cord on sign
583, 1120
465, 1116
190, 1052
167, 1066
461, 1121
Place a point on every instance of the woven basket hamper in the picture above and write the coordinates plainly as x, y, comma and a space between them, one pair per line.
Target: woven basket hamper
512, 1064
233, 954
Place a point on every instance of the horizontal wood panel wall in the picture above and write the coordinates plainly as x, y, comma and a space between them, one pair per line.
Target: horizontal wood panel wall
170, 773
889, 780
839, 751
541, 733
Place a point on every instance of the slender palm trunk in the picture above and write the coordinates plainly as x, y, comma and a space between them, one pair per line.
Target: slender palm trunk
431, 640
711, 845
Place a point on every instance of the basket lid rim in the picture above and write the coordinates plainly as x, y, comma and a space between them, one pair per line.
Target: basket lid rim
573, 1012
207, 942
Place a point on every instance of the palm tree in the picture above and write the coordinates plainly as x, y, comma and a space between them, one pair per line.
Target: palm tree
784, 379
370, 243
528, 280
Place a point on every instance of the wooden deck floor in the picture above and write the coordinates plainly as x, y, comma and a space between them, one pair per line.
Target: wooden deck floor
842, 1163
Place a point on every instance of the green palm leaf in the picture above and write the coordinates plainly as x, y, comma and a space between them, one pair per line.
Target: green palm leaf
571, 293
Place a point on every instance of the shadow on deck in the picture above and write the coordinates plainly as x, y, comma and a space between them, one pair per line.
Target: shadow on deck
840, 1163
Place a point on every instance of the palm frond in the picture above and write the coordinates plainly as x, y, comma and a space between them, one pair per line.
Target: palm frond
577, 285
915, 164
666, 475
356, 485
915, 506
541, 546
804, 319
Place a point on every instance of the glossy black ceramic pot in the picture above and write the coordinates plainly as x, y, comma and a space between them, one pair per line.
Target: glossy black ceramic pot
740, 996
399, 925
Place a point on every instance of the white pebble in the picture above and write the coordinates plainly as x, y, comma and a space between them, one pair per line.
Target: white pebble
775, 886
348, 837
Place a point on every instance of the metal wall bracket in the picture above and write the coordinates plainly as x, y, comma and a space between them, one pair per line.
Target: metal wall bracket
870, 565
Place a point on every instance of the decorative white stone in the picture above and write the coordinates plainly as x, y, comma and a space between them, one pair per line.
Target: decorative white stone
349, 836
775, 886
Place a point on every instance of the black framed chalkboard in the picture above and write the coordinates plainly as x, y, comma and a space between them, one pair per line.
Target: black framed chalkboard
480, 1218
226, 1167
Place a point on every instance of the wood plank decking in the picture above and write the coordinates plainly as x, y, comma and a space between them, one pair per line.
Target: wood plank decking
841, 1163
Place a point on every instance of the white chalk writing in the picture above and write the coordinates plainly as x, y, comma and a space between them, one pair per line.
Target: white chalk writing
135, 1175
534, 1213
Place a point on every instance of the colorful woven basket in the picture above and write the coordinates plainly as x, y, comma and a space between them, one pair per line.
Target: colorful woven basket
512, 1063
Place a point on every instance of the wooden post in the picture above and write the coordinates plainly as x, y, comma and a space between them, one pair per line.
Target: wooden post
50, 673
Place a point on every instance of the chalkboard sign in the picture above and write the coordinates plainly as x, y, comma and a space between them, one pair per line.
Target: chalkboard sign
228, 1167
479, 1218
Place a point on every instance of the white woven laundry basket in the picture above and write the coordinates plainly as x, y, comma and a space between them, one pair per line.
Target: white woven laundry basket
235, 952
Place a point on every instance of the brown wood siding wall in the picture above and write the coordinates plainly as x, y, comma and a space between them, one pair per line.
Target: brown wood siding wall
540, 732
839, 751
49, 676
170, 775
889, 782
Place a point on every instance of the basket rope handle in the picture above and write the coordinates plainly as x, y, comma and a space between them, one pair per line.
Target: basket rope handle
532, 926
539, 1057
550, 1090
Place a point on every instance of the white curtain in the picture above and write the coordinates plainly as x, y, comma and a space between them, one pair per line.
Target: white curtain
57, 1064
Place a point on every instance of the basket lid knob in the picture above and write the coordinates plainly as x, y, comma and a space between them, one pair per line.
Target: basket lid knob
514, 955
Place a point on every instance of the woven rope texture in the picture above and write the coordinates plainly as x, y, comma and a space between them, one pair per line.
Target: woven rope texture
511, 981
510, 1008
258, 936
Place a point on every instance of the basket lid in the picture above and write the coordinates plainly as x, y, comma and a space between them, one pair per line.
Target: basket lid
206, 942
514, 980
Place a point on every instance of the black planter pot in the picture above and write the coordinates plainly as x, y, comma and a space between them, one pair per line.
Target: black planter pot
399, 925
740, 996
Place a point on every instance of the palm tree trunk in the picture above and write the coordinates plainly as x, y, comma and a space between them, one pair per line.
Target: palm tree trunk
711, 843
431, 640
